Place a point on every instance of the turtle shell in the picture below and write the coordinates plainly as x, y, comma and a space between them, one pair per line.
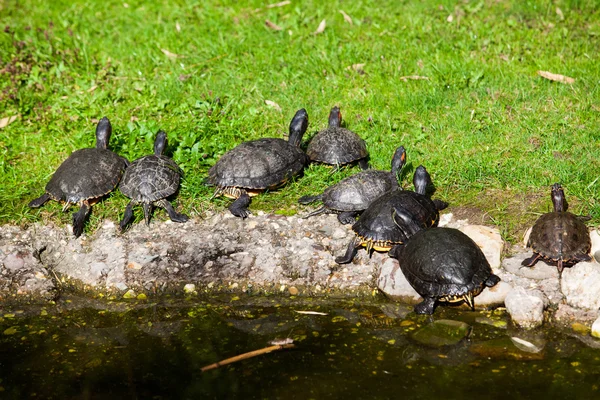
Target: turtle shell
358, 191
151, 178
258, 164
560, 236
86, 174
376, 223
445, 264
336, 146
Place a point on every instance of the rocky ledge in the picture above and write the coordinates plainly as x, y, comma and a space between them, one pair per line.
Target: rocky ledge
272, 254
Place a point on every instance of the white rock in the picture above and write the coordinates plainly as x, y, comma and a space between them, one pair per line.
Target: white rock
596, 328
581, 285
391, 281
489, 240
525, 309
494, 296
189, 288
539, 271
595, 236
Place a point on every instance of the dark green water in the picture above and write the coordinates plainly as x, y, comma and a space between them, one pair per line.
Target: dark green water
79, 349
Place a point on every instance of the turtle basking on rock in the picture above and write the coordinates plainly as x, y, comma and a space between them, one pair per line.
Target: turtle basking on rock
354, 194
394, 217
84, 177
149, 180
559, 238
255, 166
443, 265
336, 145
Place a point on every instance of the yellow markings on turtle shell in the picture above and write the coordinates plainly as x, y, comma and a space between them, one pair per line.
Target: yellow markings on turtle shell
378, 245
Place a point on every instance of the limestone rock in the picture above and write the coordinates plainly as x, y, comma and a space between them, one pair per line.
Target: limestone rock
391, 281
581, 285
595, 237
494, 296
539, 271
489, 240
596, 329
525, 309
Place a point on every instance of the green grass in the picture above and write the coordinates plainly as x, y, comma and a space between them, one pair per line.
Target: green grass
493, 134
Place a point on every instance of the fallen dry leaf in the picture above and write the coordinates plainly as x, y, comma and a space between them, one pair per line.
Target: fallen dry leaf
280, 4
177, 27
90, 90
560, 14
346, 17
171, 55
414, 78
321, 28
450, 18
273, 104
555, 77
7, 120
272, 25
357, 67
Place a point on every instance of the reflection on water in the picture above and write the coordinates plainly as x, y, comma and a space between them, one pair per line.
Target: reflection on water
79, 349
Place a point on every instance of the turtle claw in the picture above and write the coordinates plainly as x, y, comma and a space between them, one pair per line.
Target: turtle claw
347, 217
239, 207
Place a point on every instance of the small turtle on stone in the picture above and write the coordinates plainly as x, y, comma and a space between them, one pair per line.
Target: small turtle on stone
336, 145
255, 166
559, 238
85, 176
443, 265
149, 180
354, 194
394, 217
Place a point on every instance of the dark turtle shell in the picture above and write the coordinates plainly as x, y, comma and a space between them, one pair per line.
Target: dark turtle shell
358, 191
336, 145
151, 178
444, 264
258, 164
86, 174
559, 237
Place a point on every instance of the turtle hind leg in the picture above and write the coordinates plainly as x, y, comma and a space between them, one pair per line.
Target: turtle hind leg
530, 262
350, 252
426, 306
79, 218
147, 207
309, 199
127, 216
239, 207
40, 201
173, 215
347, 217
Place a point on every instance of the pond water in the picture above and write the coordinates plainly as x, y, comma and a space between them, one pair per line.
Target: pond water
359, 349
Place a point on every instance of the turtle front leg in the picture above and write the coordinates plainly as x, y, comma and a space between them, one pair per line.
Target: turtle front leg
530, 262
350, 251
426, 306
40, 201
127, 216
347, 217
174, 215
79, 218
239, 207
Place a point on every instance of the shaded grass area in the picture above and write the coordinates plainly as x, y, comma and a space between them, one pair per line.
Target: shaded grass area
493, 134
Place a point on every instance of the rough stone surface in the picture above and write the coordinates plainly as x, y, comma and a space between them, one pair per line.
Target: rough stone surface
494, 296
596, 328
581, 285
525, 308
489, 240
392, 282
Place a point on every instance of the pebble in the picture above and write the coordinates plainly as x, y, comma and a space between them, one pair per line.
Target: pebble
525, 309
13, 262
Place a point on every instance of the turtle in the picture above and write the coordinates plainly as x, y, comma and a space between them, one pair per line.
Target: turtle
394, 217
255, 166
85, 176
559, 238
354, 194
444, 265
336, 145
149, 180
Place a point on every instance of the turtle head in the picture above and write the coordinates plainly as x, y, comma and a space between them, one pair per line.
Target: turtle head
422, 180
335, 117
103, 132
160, 143
398, 160
558, 198
298, 127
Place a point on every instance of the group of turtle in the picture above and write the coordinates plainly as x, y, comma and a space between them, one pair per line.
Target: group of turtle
442, 264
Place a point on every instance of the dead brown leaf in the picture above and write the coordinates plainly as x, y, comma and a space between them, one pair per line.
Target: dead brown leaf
555, 77
272, 25
280, 4
346, 17
414, 78
560, 14
321, 28
273, 104
171, 55
7, 120
357, 67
